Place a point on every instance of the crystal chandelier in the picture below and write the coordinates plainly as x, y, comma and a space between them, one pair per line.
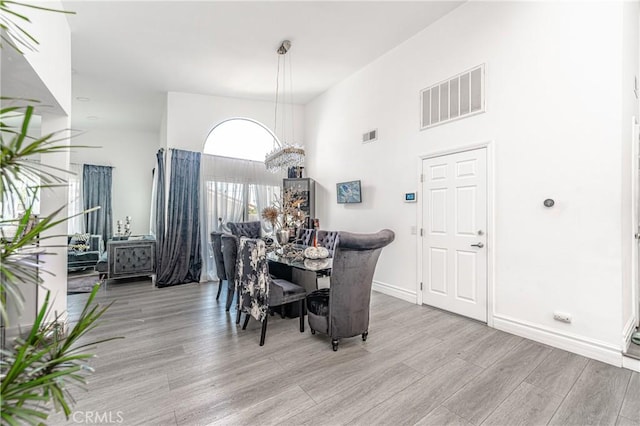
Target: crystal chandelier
284, 154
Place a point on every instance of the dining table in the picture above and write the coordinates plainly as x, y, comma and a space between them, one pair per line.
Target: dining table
289, 263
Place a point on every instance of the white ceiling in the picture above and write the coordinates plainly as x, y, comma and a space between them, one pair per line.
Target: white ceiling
126, 55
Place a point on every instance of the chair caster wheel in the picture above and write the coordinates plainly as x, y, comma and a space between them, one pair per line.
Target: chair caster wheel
364, 336
334, 344
313, 331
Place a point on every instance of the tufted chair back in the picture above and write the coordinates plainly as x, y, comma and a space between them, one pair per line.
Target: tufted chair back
328, 240
245, 229
305, 236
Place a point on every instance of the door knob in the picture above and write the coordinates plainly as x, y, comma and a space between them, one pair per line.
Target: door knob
479, 245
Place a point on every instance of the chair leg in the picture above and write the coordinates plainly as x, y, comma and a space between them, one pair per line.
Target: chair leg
334, 344
238, 306
264, 329
219, 289
246, 321
301, 312
230, 291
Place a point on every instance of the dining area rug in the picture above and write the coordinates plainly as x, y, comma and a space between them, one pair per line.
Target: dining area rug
82, 282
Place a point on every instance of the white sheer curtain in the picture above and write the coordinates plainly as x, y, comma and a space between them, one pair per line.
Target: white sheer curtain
264, 196
233, 190
76, 203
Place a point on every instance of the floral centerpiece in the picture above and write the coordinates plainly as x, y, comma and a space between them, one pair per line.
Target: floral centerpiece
285, 215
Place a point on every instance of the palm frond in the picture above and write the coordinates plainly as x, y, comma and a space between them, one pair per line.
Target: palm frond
43, 365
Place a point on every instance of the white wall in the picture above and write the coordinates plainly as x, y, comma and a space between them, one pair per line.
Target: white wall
52, 65
191, 117
52, 31
55, 241
553, 116
132, 154
630, 115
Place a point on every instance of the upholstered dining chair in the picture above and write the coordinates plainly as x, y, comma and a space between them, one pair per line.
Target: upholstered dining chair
327, 239
246, 229
216, 243
258, 291
230, 255
342, 310
305, 236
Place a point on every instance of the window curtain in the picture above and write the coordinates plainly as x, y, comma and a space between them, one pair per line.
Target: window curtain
158, 205
97, 184
75, 224
233, 190
179, 259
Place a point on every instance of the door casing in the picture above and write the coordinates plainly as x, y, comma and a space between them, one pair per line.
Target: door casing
490, 221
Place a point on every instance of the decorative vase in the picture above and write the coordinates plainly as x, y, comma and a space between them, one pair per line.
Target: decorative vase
282, 236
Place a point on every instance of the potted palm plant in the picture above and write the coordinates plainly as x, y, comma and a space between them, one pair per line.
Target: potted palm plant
39, 368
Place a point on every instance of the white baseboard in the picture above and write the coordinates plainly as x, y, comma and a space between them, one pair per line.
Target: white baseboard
631, 363
394, 291
597, 350
628, 330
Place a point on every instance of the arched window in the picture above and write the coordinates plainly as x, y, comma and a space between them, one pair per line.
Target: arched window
239, 138
237, 185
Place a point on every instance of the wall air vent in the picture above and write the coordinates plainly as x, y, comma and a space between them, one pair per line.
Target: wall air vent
370, 136
457, 97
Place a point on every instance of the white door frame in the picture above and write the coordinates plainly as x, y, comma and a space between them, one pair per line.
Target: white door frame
490, 220
635, 227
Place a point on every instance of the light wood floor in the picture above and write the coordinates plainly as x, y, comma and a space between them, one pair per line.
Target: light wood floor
185, 362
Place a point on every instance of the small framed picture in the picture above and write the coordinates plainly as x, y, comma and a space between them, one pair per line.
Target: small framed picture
349, 192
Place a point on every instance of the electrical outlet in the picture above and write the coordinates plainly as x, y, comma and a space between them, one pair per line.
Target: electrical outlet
562, 317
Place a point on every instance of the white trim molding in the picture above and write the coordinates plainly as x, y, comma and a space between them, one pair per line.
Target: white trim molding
589, 348
627, 331
490, 231
394, 291
631, 363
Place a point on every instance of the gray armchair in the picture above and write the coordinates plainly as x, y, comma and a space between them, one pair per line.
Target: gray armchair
342, 310
216, 244
230, 256
258, 291
245, 229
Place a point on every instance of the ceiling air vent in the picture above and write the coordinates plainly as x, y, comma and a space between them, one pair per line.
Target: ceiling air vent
370, 136
457, 97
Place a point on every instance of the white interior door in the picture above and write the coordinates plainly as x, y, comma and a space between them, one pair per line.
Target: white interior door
454, 196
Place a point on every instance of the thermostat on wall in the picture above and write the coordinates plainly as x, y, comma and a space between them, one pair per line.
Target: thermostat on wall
410, 197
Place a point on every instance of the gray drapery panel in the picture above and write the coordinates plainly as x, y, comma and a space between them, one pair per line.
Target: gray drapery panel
160, 207
96, 190
180, 259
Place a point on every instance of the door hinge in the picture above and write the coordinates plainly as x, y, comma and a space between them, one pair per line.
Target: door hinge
421, 177
421, 232
420, 286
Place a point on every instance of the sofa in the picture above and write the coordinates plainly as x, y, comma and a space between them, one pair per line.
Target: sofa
84, 251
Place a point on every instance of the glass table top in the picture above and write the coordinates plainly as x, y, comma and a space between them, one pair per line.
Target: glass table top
293, 255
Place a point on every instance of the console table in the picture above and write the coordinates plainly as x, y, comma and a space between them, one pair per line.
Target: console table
131, 258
